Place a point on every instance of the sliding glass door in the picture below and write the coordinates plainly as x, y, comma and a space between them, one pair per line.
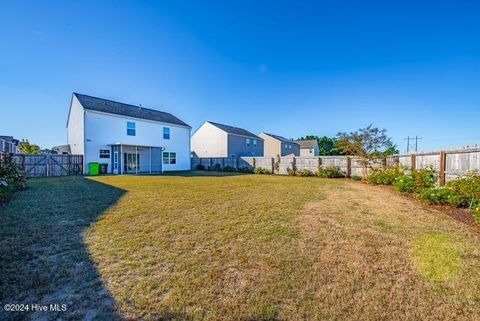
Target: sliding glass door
131, 162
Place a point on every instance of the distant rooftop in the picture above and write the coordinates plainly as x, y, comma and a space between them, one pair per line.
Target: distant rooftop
234, 130
281, 138
118, 108
311, 143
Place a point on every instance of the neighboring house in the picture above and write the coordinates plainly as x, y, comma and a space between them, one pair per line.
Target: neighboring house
130, 139
308, 147
62, 149
8, 144
275, 145
217, 140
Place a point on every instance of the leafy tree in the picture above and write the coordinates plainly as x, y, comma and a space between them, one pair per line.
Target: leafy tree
27, 148
369, 144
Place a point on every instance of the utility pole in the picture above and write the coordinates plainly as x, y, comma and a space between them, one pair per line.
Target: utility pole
414, 144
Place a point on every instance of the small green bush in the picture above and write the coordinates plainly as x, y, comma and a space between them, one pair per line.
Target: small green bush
244, 169
330, 172
357, 178
416, 181
200, 167
11, 178
305, 173
385, 176
291, 172
228, 168
262, 171
217, 167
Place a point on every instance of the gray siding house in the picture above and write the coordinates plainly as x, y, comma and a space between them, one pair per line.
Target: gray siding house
217, 140
308, 147
277, 145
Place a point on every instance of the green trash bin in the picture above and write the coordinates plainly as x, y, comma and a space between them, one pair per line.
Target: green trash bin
93, 169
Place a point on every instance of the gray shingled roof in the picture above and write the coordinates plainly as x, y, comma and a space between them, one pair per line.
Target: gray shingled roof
281, 138
311, 143
234, 130
117, 108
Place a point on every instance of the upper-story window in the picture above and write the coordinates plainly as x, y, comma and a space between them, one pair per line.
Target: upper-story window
247, 141
254, 143
166, 133
131, 131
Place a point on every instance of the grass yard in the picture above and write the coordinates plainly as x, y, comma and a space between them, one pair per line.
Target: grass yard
240, 247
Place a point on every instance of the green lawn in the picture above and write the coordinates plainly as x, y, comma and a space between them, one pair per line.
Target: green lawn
240, 247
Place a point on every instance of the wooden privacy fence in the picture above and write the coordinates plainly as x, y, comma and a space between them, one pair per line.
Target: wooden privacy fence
348, 165
49, 165
449, 164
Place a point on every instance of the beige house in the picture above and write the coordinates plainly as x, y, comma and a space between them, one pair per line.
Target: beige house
308, 147
274, 145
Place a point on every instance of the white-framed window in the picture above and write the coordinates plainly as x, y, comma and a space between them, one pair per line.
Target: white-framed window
286, 146
131, 129
247, 141
289, 146
169, 158
254, 143
166, 133
104, 153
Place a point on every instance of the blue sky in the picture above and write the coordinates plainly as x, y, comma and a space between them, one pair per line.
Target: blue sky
288, 67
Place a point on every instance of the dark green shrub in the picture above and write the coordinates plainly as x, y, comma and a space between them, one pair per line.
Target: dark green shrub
11, 178
357, 178
217, 167
385, 176
200, 167
330, 172
261, 170
305, 173
291, 172
244, 169
416, 181
228, 168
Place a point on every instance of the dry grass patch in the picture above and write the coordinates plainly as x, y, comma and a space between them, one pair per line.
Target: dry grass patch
251, 247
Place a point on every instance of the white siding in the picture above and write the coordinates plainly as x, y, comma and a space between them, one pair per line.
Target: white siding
104, 129
209, 141
75, 128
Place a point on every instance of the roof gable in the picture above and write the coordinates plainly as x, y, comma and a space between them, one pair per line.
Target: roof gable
122, 109
281, 138
234, 130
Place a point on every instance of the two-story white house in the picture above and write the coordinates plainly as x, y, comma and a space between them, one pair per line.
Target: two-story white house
130, 139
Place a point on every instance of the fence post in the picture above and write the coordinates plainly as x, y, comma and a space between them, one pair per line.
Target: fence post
273, 165
443, 165
384, 162
414, 162
349, 166
294, 164
47, 171
254, 162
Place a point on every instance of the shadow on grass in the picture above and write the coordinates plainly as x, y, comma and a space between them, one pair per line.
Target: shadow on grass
203, 173
43, 259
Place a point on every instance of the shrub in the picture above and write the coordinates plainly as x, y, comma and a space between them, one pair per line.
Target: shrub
244, 169
357, 178
305, 173
11, 179
291, 172
276, 164
330, 172
385, 176
200, 167
462, 192
217, 167
261, 170
416, 180
228, 168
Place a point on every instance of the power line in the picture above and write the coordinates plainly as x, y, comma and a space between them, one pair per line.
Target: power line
414, 144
